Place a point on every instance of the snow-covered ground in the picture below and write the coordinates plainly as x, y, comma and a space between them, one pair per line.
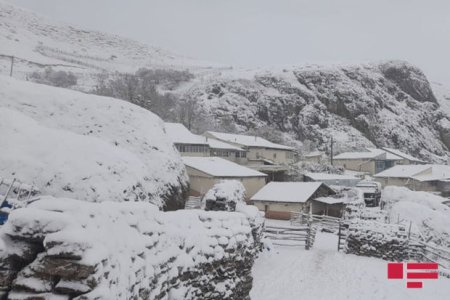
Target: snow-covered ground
291, 273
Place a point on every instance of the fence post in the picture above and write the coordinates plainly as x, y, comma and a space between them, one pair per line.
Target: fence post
409, 231
339, 237
308, 236
12, 67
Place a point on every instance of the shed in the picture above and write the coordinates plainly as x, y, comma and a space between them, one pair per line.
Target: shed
279, 199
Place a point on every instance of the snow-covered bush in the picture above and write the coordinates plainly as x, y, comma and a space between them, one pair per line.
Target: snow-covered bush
55, 78
224, 196
113, 250
70, 144
429, 216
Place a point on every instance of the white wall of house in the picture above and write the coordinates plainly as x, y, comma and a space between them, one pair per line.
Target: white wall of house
201, 182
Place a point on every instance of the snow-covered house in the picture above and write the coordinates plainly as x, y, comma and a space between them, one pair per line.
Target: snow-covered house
189, 144
258, 149
406, 158
371, 161
205, 172
432, 178
314, 156
332, 179
279, 199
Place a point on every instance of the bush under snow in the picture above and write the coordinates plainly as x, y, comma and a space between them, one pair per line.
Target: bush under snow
92, 148
426, 211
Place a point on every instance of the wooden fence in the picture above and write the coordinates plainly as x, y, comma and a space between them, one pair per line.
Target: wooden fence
291, 235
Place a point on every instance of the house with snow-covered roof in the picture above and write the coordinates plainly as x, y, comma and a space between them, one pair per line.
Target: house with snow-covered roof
406, 158
331, 179
370, 161
279, 199
431, 178
205, 172
258, 149
189, 144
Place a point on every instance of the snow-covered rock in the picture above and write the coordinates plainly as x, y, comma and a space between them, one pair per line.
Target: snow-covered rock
382, 104
71, 144
117, 250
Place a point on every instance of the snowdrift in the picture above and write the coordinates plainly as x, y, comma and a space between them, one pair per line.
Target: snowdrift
91, 148
430, 217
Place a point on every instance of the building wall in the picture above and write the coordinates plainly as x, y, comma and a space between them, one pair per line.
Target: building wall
313, 159
231, 156
362, 165
334, 210
385, 181
278, 156
200, 182
276, 210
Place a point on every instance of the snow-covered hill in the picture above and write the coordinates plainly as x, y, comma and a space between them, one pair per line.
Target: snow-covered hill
37, 42
71, 144
382, 104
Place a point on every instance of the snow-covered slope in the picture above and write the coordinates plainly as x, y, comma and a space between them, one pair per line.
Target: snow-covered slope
384, 104
72, 144
37, 42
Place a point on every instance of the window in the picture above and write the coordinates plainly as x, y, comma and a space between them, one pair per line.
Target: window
242, 154
380, 166
274, 156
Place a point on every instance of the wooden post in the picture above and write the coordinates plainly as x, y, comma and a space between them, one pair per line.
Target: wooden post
339, 237
409, 231
12, 67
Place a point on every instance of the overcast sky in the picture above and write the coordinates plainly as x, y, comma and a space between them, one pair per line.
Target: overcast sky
274, 32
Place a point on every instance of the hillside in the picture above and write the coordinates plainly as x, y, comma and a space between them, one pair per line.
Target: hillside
385, 104
379, 104
71, 144
37, 42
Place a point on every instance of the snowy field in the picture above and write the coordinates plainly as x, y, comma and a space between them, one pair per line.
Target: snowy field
292, 273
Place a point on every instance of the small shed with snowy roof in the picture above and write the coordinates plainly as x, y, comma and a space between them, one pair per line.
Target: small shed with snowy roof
205, 172
279, 199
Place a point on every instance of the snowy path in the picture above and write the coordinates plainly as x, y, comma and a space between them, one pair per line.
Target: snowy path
324, 273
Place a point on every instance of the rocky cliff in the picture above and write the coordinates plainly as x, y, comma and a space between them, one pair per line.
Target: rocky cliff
385, 104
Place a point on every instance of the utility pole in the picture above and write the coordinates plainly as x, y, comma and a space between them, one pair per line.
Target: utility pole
331, 154
12, 67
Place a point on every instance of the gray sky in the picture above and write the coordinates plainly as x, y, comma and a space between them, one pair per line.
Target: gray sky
274, 32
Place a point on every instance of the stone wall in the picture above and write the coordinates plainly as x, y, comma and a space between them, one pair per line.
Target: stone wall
69, 249
385, 241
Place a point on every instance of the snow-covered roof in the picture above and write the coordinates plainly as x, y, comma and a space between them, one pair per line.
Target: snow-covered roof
402, 154
216, 144
247, 140
326, 176
179, 134
438, 172
314, 154
219, 167
330, 200
295, 192
371, 153
403, 171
